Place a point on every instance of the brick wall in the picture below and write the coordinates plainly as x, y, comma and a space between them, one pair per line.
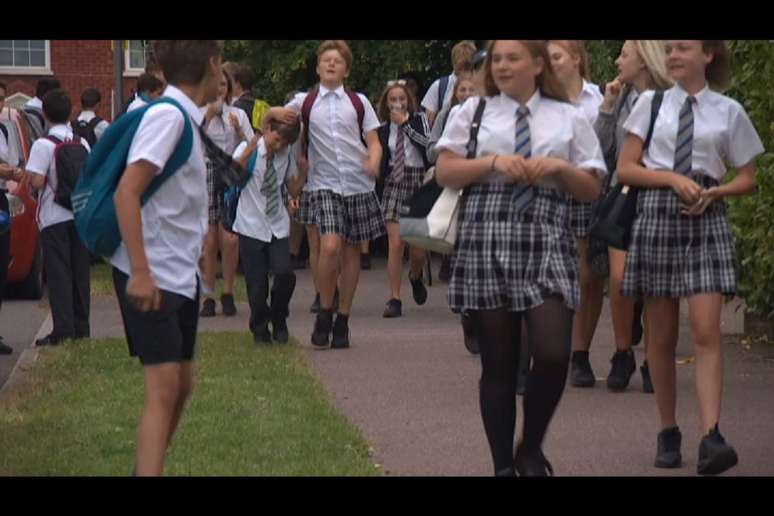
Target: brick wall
77, 64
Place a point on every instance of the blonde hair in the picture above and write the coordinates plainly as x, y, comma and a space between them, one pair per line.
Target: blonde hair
576, 48
462, 53
466, 76
546, 82
336, 44
653, 54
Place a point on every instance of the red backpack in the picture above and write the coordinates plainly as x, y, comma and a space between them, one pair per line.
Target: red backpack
306, 111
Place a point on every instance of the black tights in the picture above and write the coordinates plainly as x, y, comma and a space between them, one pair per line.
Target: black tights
549, 329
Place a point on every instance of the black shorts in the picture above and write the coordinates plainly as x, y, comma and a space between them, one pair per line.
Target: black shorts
168, 335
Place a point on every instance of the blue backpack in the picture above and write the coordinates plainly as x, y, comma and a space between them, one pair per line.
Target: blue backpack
92, 199
232, 192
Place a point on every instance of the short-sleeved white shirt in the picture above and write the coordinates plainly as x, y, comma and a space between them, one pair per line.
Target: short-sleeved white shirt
251, 220
430, 100
722, 132
223, 134
175, 217
557, 129
336, 151
42, 163
88, 116
589, 100
138, 102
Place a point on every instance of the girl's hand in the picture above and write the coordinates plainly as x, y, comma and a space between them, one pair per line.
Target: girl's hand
398, 117
708, 196
513, 166
612, 90
541, 167
303, 164
234, 119
687, 189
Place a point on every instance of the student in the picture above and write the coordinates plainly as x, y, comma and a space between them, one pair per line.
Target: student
244, 99
515, 262
641, 66
439, 94
149, 87
88, 125
155, 267
682, 246
227, 127
403, 138
263, 226
342, 176
34, 107
65, 259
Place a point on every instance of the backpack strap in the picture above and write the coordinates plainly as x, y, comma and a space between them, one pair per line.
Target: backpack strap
93, 123
359, 109
474, 126
655, 106
442, 87
306, 112
4, 130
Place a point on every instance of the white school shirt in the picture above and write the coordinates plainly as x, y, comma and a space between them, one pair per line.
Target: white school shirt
251, 220
412, 157
3, 155
336, 152
722, 132
557, 129
138, 102
222, 132
42, 163
34, 102
589, 100
175, 218
87, 117
430, 100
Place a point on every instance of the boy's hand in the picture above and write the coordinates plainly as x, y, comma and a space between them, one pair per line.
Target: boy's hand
370, 167
292, 205
234, 119
142, 292
286, 116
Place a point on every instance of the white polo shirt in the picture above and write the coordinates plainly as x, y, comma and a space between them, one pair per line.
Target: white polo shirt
722, 132
336, 151
138, 102
42, 163
589, 100
174, 219
430, 100
87, 116
223, 134
557, 129
251, 220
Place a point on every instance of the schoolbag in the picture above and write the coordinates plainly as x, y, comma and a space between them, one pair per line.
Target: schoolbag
69, 158
442, 87
86, 130
306, 111
260, 107
92, 199
36, 122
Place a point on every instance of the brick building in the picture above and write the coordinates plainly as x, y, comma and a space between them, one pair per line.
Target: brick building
77, 64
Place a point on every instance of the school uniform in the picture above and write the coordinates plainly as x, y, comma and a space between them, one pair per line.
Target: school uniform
87, 116
223, 134
174, 221
137, 103
65, 259
674, 255
610, 130
588, 102
303, 214
263, 226
397, 191
511, 253
430, 100
342, 197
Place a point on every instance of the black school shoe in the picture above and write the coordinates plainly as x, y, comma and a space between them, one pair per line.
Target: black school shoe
315, 308
531, 463
715, 456
668, 454
393, 309
418, 290
621, 371
50, 340
227, 302
322, 329
340, 332
208, 308
581, 374
647, 384
5, 349
280, 331
263, 337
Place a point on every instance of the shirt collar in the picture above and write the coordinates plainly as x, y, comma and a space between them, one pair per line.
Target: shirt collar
338, 91
87, 113
681, 94
59, 130
192, 109
261, 148
588, 89
532, 103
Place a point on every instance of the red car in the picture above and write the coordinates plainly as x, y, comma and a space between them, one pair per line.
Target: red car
25, 269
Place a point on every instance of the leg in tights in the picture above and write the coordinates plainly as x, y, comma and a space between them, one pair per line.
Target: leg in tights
550, 338
498, 335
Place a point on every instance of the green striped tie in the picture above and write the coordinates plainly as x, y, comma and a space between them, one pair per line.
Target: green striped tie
269, 188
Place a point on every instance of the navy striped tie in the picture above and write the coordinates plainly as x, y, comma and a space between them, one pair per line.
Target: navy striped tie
684, 147
269, 188
523, 194
399, 160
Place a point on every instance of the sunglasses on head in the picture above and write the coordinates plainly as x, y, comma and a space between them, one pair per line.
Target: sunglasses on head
399, 82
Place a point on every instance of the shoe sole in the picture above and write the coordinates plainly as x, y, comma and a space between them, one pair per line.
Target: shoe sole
719, 465
669, 465
620, 388
392, 316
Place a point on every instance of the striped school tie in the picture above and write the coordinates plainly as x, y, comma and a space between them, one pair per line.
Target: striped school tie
684, 147
269, 188
523, 194
399, 160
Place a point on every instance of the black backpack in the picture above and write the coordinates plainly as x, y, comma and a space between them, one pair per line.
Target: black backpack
86, 130
69, 158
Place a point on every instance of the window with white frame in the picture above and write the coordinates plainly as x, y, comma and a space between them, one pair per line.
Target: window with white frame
136, 55
25, 56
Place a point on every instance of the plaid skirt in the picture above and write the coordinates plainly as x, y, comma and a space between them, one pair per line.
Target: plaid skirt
303, 215
214, 201
513, 260
357, 218
674, 255
396, 195
580, 218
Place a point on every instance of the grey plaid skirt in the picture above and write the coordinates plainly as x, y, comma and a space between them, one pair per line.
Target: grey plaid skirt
513, 260
303, 215
580, 218
673, 255
396, 195
214, 201
357, 218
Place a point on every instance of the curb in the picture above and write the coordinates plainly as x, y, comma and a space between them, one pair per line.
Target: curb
28, 357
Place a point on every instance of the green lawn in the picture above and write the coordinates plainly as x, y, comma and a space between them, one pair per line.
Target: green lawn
254, 411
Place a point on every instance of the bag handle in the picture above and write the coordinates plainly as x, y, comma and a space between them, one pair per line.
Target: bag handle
473, 142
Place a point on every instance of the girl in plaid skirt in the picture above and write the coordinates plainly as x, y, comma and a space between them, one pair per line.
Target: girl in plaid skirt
682, 246
405, 130
516, 261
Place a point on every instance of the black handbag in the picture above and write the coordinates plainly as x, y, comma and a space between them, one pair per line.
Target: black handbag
613, 218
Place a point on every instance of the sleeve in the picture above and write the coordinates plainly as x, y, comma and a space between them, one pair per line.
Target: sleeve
435, 135
638, 122
245, 125
585, 151
100, 129
3, 148
157, 136
417, 136
40, 157
297, 102
604, 126
239, 150
370, 120
743, 142
430, 100
456, 135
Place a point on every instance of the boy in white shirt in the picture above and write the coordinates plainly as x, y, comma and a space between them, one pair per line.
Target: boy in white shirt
65, 259
155, 269
263, 226
88, 125
436, 100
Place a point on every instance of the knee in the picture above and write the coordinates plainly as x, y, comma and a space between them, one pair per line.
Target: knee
330, 248
229, 239
706, 335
